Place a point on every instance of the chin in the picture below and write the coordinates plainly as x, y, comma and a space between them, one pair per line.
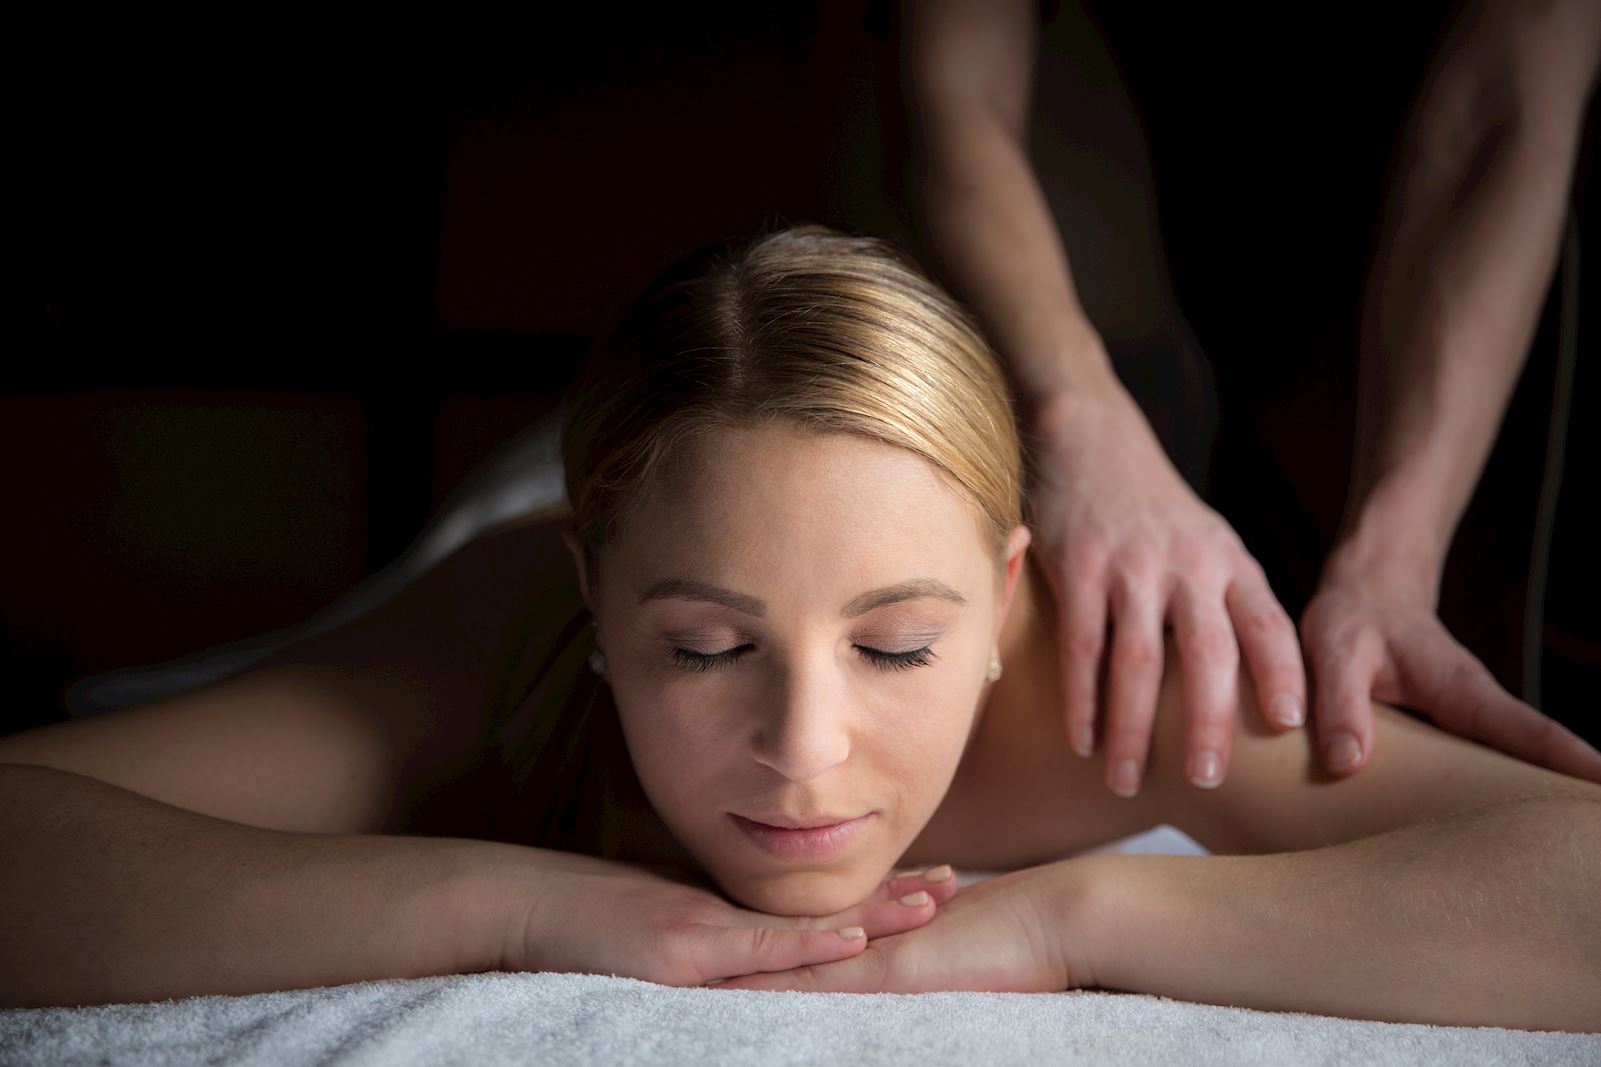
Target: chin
807, 893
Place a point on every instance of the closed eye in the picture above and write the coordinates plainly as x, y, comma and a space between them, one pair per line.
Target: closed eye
889, 661
705, 661
897, 661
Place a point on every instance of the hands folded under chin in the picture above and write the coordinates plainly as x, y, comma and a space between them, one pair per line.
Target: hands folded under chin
596, 916
1010, 934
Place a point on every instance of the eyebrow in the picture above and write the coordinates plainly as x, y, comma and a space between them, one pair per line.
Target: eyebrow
692, 589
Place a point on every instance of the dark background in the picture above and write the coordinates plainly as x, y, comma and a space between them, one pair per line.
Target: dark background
270, 290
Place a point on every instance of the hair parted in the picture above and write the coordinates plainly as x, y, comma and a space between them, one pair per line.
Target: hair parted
807, 325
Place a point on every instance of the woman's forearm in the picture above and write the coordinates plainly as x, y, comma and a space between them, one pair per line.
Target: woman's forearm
108, 896
1484, 917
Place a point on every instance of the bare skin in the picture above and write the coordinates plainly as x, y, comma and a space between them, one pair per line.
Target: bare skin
1454, 296
1455, 289
1128, 547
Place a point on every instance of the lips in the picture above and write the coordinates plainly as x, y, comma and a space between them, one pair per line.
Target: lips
811, 843
780, 822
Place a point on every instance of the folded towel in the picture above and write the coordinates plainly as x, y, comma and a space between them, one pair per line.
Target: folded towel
489, 1019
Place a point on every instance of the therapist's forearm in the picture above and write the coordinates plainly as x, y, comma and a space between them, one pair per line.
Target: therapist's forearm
1465, 258
1481, 918
109, 896
996, 244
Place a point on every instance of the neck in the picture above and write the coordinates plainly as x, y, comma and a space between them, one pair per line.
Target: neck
1029, 678
1028, 638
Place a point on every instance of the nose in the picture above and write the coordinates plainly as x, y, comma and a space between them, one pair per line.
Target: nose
807, 728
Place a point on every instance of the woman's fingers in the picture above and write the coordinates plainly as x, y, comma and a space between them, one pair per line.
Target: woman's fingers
862, 973
725, 951
1272, 652
1136, 678
939, 881
881, 918
902, 903
1209, 661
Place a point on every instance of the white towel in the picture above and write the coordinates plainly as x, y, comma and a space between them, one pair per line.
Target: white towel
491, 1019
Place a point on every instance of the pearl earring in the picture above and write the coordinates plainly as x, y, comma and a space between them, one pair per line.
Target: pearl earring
994, 672
597, 662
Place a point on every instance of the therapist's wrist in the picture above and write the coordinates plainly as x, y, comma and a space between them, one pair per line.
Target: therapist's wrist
1394, 541
1056, 414
1068, 363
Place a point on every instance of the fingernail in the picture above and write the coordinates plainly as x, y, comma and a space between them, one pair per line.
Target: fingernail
938, 874
715, 981
1288, 711
1206, 770
1084, 741
915, 900
1344, 752
1126, 778
852, 933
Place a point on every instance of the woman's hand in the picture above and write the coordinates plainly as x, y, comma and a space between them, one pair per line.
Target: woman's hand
1125, 540
597, 916
1371, 639
1023, 932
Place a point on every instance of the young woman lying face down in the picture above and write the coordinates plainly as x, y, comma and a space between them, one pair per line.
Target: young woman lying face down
797, 527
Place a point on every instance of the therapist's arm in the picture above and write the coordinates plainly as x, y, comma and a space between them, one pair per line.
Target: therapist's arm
1466, 255
1127, 545
968, 69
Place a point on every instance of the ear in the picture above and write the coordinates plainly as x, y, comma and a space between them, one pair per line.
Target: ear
1017, 543
569, 537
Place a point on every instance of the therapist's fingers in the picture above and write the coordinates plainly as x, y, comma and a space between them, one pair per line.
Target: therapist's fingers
1135, 680
1271, 650
1467, 700
1343, 671
1083, 614
1209, 662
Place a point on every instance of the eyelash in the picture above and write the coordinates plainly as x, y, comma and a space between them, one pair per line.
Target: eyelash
887, 661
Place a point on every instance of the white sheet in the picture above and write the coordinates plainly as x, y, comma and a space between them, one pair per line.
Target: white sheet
492, 1019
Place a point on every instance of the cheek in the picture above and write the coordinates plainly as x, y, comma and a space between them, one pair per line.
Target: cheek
915, 748
676, 738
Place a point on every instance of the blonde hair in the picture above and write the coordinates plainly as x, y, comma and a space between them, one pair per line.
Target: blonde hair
823, 330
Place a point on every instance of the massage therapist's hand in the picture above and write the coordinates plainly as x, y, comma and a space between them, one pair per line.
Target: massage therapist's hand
1023, 932
1371, 636
597, 916
1126, 542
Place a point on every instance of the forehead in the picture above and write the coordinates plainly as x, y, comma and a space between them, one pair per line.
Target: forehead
777, 500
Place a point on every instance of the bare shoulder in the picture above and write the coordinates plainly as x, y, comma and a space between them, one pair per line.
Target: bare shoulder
341, 732
1277, 796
